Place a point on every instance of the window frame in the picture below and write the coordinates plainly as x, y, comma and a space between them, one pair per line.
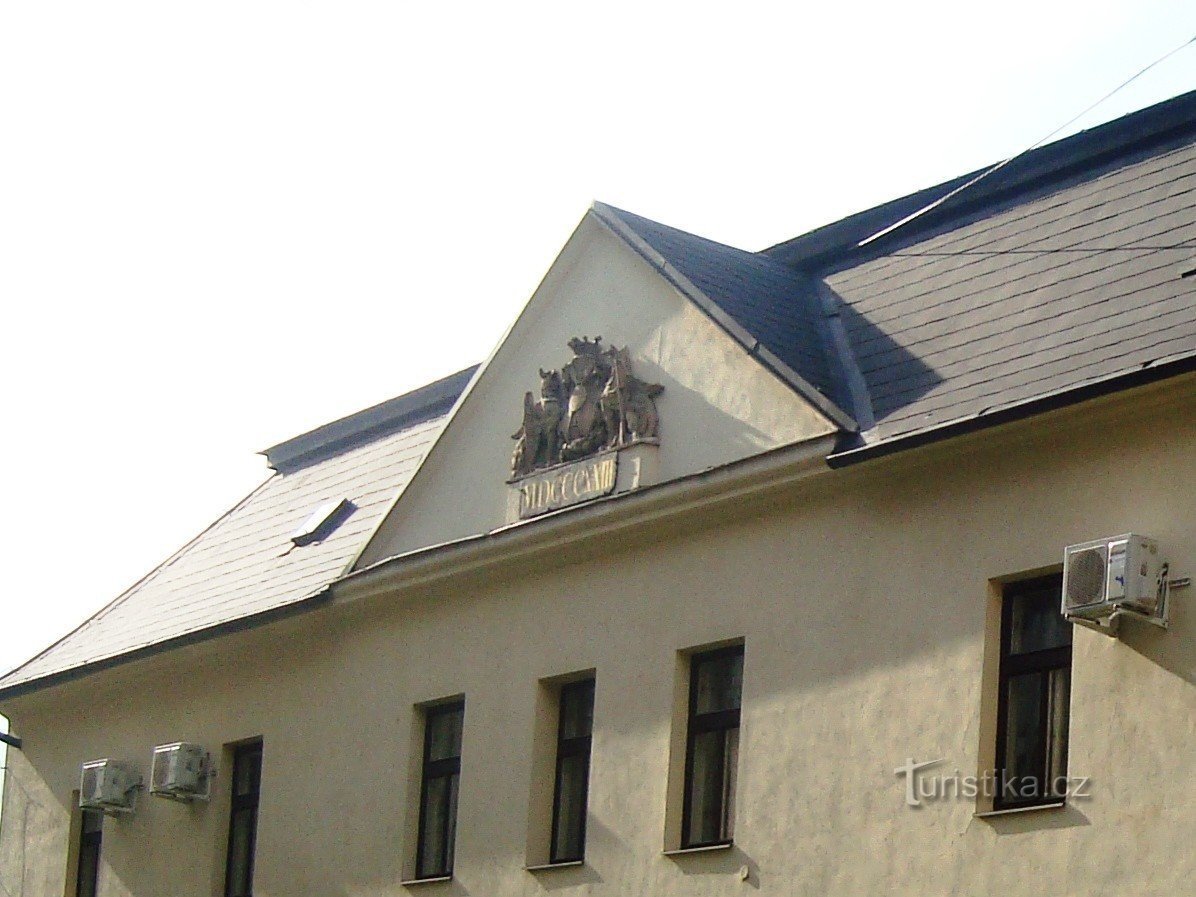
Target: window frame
700, 724
431, 770
1043, 661
87, 863
566, 749
251, 800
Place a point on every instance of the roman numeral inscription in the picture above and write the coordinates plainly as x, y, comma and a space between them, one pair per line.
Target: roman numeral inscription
567, 485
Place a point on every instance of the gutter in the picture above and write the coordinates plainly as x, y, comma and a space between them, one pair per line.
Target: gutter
1063, 398
311, 602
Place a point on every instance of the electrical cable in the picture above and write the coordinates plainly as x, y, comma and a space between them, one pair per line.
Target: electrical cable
942, 199
1063, 251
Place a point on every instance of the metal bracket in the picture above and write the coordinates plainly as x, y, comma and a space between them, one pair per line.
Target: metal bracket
1109, 628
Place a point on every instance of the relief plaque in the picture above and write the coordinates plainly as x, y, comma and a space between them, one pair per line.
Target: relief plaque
566, 450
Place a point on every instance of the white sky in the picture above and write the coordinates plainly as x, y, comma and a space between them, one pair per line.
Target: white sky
222, 224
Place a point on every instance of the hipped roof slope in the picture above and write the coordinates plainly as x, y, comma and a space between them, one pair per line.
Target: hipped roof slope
244, 565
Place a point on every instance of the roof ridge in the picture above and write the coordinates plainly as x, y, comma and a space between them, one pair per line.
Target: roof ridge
1087, 154
367, 424
780, 267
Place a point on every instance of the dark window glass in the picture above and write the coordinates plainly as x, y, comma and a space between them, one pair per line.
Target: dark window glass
712, 749
572, 772
438, 792
242, 825
91, 833
1035, 691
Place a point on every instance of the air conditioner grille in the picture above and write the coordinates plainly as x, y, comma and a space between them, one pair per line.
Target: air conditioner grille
1086, 577
162, 773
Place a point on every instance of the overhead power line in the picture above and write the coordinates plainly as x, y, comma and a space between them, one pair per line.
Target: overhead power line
978, 178
1069, 250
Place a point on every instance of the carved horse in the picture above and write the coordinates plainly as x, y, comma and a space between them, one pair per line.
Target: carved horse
628, 403
528, 438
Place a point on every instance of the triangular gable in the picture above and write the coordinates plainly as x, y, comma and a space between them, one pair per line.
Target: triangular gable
770, 309
722, 399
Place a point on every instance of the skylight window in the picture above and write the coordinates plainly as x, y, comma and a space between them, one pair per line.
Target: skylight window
323, 521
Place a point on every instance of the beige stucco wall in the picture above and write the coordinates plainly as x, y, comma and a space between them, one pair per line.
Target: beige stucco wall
862, 597
719, 403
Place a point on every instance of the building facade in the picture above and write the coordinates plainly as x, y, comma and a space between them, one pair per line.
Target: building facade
762, 596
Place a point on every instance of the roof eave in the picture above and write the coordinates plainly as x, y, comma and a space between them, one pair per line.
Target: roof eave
857, 454
229, 627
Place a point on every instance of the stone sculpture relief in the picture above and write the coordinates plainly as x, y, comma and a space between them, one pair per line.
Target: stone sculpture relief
594, 403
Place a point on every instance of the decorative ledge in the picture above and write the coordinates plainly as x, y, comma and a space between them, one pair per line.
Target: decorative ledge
686, 851
545, 867
1012, 811
425, 881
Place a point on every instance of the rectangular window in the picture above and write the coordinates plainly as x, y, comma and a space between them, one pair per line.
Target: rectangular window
91, 833
712, 747
1035, 693
242, 826
438, 792
574, 728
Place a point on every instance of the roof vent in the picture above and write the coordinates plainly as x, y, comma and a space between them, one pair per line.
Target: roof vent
323, 520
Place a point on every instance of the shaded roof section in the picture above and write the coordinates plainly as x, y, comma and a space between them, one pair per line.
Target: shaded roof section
1058, 275
764, 305
245, 565
1071, 288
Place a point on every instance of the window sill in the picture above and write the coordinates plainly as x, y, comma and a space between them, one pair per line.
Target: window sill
686, 851
1012, 811
548, 867
425, 881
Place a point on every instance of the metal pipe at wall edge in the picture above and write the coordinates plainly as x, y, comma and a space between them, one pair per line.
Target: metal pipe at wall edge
10, 740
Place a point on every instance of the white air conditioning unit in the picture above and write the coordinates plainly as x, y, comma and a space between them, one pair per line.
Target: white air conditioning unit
181, 771
1107, 578
109, 786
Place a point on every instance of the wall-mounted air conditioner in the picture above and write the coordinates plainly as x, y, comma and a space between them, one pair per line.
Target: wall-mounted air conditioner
1108, 578
110, 786
181, 771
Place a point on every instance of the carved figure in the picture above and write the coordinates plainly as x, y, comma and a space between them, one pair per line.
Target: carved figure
527, 438
593, 402
584, 377
548, 452
629, 403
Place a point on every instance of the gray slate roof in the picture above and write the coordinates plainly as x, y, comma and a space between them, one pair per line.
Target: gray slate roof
1066, 290
244, 564
1060, 275
768, 299
770, 307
